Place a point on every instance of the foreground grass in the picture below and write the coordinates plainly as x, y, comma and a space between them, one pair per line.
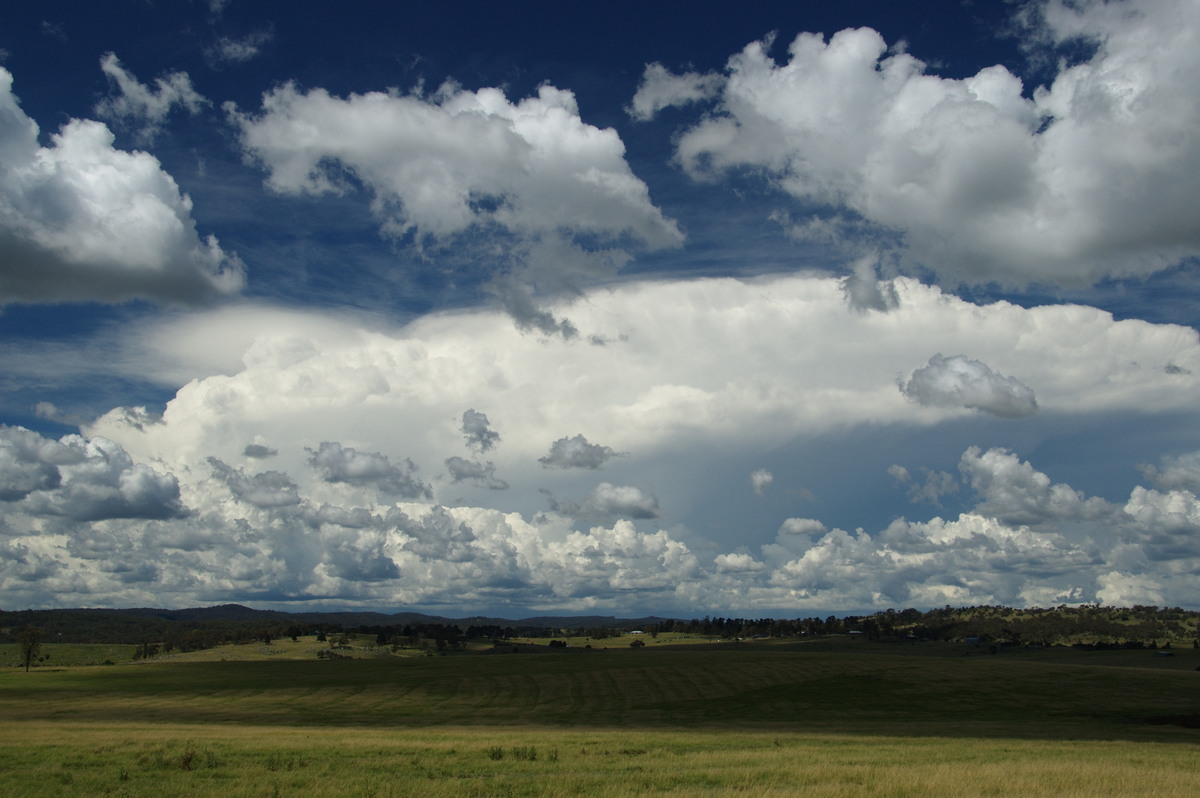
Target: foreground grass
132, 760
828, 721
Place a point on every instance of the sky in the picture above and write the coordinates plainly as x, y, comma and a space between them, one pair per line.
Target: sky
777, 309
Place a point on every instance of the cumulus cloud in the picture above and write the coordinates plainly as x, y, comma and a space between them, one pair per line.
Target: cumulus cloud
1014, 492
618, 501
577, 452
986, 181
552, 192
268, 544
1181, 472
83, 221
477, 431
336, 463
802, 526
959, 381
738, 563
481, 474
81, 479
661, 89
690, 367
137, 104
760, 480
266, 489
258, 451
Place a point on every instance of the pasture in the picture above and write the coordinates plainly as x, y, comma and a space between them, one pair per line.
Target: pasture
822, 719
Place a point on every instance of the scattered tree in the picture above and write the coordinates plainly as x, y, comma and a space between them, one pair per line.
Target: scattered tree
30, 640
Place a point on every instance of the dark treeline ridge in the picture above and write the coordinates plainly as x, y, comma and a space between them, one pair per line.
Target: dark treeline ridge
192, 629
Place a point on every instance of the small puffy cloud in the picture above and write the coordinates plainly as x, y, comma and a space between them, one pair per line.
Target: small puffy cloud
621, 501
1180, 472
661, 89
802, 526
984, 180
138, 104
760, 480
257, 451
336, 463
577, 452
477, 431
268, 489
81, 479
82, 221
481, 474
959, 381
738, 563
608, 501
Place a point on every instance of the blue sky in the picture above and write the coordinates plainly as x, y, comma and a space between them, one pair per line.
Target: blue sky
636, 308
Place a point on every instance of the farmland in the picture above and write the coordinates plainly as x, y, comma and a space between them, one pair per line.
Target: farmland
828, 717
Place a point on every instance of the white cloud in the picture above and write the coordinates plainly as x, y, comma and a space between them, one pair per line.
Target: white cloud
1015, 492
1180, 472
735, 365
136, 103
1079, 183
660, 89
229, 50
691, 370
760, 480
958, 381
533, 175
82, 221
257, 535
802, 526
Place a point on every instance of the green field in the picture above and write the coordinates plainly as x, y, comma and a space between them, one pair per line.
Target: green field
825, 719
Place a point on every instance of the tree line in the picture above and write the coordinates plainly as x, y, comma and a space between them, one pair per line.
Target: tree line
1086, 625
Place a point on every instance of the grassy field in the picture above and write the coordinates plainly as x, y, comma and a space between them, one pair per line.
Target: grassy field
822, 719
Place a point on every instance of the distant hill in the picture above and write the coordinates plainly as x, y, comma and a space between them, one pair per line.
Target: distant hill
203, 627
235, 621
